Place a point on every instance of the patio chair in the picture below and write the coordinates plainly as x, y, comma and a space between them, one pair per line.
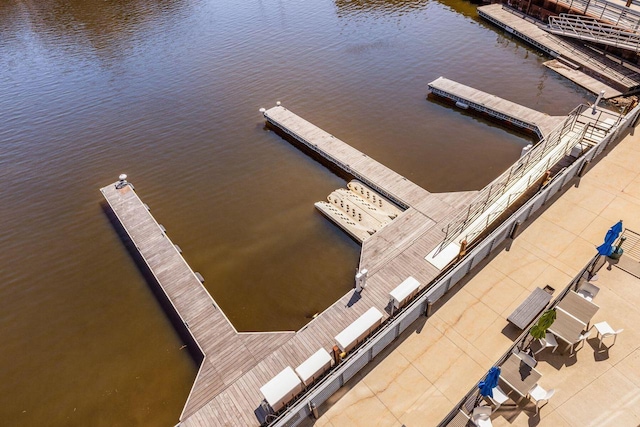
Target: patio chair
529, 360
499, 396
605, 330
482, 416
548, 341
588, 291
539, 394
581, 339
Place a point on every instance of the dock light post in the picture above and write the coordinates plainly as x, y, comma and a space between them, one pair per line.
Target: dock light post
122, 181
595, 104
361, 279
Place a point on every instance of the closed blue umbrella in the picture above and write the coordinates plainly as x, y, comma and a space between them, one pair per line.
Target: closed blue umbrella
606, 248
490, 382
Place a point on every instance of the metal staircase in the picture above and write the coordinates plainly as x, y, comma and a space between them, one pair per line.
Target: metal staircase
592, 30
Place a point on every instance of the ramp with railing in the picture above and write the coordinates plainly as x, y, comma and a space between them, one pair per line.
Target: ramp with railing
605, 11
592, 30
589, 62
583, 128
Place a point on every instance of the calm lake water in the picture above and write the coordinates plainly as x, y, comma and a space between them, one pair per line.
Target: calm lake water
168, 92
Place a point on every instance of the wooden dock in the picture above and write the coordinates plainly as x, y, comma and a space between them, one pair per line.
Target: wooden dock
380, 178
615, 78
235, 365
510, 112
226, 391
227, 354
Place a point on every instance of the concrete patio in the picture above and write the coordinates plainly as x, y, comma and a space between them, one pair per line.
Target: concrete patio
425, 373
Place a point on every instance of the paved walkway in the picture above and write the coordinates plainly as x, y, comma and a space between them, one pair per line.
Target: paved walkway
422, 376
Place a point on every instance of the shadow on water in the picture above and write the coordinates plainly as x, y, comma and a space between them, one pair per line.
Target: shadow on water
161, 296
338, 171
486, 119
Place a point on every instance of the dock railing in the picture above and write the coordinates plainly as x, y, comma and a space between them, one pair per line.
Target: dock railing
319, 392
575, 49
603, 10
593, 30
576, 129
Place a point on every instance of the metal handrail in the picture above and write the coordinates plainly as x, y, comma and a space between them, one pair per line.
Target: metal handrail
500, 185
606, 11
590, 29
503, 183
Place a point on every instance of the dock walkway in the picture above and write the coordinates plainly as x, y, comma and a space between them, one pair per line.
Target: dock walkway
617, 79
518, 115
380, 178
226, 391
207, 324
236, 365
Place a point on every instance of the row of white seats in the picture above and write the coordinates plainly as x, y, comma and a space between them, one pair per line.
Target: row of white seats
285, 386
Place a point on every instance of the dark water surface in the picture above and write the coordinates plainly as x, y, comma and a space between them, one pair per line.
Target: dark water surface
168, 91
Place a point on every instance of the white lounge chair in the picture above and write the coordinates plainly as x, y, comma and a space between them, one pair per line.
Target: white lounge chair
581, 339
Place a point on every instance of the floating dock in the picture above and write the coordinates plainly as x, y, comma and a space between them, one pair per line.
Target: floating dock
615, 79
417, 229
236, 366
358, 210
226, 354
498, 108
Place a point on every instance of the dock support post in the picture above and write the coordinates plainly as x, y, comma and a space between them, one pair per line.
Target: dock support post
335, 352
583, 169
361, 279
515, 229
595, 104
314, 410
429, 308
463, 249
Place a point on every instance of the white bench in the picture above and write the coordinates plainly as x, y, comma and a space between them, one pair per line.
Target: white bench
358, 330
281, 389
404, 291
314, 366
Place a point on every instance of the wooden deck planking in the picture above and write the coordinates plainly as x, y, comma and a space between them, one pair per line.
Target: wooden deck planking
449, 88
369, 170
207, 384
228, 355
246, 392
261, 345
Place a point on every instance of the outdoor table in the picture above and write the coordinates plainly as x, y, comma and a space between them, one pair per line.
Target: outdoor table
530, 308
518, 375
578, 307
567, 327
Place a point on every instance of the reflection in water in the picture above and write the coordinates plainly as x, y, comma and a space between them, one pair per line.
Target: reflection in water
109, 26
463, 7
386, 7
